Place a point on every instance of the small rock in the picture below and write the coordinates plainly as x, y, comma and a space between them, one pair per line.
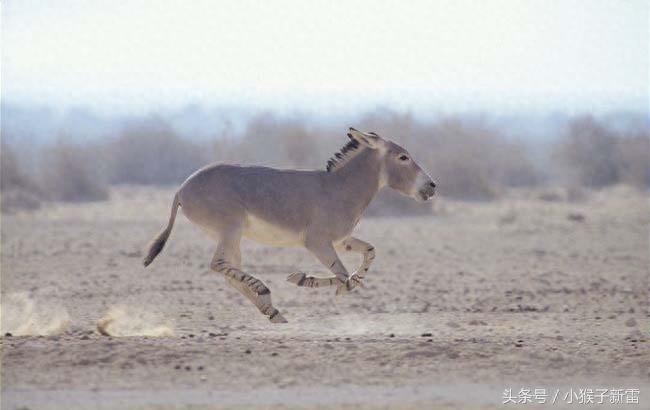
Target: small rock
8, 334
177, 367
199, 368
248, 351
576, 217
274, 354
391, 335
631, 322
188, 368
428, 334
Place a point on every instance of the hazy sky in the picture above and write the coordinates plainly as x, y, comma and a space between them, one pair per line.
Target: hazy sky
328, 55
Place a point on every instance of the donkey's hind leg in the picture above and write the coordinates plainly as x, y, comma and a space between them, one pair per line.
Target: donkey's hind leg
226, 261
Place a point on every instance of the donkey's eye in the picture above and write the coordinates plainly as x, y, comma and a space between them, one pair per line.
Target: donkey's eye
403, 158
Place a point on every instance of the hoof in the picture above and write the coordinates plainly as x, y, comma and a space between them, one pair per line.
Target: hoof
297, 278
352, 282
278, 318
342, 290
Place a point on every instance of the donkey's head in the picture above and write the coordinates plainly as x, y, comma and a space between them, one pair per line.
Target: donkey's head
399, 171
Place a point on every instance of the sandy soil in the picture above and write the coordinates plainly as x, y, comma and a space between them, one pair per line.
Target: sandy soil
458, 307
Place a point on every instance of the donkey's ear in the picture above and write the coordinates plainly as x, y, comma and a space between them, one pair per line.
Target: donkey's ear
368, 139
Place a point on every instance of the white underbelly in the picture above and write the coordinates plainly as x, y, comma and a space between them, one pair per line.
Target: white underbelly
263, 232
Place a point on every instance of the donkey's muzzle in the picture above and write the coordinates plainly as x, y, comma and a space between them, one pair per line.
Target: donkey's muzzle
427, 191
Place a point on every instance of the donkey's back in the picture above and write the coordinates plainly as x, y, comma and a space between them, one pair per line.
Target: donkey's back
271, 205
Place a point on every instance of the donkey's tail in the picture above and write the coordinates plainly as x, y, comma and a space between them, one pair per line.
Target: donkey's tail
158, 243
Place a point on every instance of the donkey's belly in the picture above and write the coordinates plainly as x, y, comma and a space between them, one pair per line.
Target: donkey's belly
266, 233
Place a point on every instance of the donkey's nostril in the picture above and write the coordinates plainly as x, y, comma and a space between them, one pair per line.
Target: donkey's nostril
432, 185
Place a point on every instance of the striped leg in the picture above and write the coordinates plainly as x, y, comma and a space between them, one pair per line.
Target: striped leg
251, 287
301, 279
352, 245
326, 254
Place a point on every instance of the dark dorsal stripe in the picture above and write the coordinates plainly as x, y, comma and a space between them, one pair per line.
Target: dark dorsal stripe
342, 155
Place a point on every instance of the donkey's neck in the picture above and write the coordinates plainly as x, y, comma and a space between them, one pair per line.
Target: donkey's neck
358, 181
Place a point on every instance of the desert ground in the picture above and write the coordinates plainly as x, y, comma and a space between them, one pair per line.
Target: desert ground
532, 291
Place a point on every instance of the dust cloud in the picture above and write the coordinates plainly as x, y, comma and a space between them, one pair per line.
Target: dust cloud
24, 316
125, 320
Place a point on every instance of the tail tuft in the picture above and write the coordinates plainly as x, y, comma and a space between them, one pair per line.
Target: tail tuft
159, 241
156, 246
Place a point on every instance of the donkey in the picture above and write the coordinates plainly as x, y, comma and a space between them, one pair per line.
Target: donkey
317, 210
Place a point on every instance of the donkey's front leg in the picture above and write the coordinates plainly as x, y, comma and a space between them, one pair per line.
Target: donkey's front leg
353, 244
326, 254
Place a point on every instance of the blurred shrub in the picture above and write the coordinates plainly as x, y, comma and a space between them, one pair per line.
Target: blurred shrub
588, 153
268, 140
633, 160
461, 160
70, 173
17, 189
149, 152
12, 175
592, 155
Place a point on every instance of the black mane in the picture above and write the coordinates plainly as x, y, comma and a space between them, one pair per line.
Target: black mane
342, 155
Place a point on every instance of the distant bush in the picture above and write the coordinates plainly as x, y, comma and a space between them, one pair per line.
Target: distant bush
70, 173
17, 189
273, 141
594, 156
12, 175
149, 152
633, 159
